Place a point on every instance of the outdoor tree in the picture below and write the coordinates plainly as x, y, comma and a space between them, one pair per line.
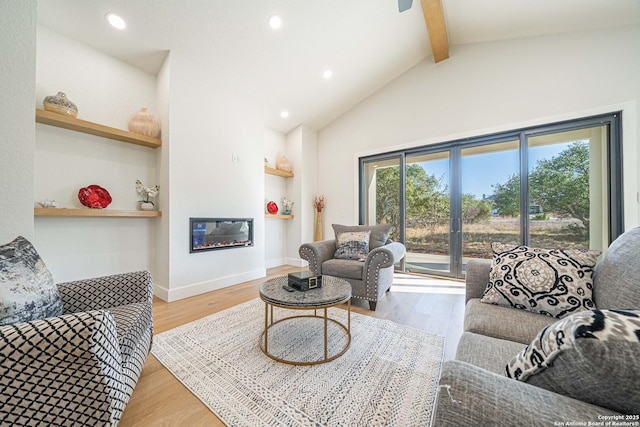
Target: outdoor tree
427, 199
559, 184
474, 210
507, 196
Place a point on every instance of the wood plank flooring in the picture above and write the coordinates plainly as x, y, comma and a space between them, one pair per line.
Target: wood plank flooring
160, 399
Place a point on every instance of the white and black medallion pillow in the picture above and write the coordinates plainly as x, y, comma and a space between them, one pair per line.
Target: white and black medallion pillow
554, 282
27, 290
352, 245
589, 355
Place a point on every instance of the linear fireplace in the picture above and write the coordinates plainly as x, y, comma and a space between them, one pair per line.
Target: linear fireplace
208, 234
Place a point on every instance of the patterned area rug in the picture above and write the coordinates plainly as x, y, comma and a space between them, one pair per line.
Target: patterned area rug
387, 377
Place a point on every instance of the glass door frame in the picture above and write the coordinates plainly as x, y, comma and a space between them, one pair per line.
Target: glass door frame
613, 122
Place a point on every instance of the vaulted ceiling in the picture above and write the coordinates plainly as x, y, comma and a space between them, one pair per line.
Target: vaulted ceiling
365, 43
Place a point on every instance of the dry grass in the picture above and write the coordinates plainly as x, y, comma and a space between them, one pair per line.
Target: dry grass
477, 238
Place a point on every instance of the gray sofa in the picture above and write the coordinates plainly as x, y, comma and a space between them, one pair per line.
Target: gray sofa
79, 368
473, 389
369, 278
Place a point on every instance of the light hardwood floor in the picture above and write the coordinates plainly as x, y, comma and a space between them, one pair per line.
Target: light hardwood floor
159, 399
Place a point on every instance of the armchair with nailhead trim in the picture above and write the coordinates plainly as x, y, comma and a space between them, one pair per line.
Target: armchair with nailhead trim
370, 278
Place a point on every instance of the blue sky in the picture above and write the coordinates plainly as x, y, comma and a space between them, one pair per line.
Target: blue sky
480, 172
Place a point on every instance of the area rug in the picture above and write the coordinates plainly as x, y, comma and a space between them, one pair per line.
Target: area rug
387, 377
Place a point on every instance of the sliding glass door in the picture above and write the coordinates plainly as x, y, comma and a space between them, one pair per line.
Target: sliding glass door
428, 213
555, 186
485, 170
568, 189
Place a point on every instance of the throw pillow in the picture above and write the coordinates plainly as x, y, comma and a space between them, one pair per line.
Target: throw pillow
590, 356
27, 290
352, 245
554, 282
379, 233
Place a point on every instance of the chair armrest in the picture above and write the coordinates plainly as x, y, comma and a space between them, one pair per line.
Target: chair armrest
471, 396
316, 253
385, 256
106, 292
477, 278
47, 364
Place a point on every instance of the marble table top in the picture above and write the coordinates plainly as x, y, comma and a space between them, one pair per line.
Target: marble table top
334, 290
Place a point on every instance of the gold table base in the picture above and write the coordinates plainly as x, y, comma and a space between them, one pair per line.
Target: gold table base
268, 309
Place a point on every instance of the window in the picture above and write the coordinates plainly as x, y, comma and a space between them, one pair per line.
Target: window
558, 185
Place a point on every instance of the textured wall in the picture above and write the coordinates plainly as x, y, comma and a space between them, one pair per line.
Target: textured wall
17, 126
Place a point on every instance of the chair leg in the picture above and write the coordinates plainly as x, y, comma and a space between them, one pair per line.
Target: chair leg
372, 305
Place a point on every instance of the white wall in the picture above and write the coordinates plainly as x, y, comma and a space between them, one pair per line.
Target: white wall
17, 128
109, 92
276, 230
486, 88
302, 146
212, 119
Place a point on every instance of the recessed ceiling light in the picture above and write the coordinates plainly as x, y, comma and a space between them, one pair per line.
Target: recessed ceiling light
275, 22
327, 74
284, 114
116, 21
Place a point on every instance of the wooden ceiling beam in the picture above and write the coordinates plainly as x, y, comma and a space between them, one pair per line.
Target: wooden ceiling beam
437, 28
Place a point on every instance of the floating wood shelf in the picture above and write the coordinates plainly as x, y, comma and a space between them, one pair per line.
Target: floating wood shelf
68, 122
95, 213
277, 172
278, 216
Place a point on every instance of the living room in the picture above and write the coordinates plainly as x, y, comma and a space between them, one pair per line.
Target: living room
216, 132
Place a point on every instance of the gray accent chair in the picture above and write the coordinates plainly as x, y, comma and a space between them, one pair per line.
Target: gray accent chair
79, 368
474, 390
369, 279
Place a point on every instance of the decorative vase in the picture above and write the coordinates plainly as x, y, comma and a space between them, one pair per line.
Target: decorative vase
283, 164
60, 104
144, 123
146, 206
318, 235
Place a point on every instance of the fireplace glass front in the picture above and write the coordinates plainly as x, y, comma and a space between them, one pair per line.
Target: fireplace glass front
209, 234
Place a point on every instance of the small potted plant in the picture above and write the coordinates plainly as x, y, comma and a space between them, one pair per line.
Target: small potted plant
147, 193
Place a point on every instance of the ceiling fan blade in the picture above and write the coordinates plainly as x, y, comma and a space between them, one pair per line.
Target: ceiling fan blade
404, 5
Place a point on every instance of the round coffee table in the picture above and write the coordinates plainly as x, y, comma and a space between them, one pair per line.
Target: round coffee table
334, 291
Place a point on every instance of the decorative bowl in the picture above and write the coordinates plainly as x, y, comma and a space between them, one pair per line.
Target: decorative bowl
60, 104
272, 208
94, 197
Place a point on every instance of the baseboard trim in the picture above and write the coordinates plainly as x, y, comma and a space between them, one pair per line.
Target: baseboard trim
182, 292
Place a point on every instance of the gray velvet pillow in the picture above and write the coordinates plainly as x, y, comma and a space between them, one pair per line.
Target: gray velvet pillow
553, 282
616, 277
379, 233
27, 291
590, 356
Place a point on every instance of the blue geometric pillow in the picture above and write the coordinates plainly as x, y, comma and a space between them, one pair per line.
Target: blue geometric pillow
27, 291
352, 245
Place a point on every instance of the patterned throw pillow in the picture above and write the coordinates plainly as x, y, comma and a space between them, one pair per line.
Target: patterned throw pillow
554, 282
379, 233
590, 356
27, 291
352, 245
